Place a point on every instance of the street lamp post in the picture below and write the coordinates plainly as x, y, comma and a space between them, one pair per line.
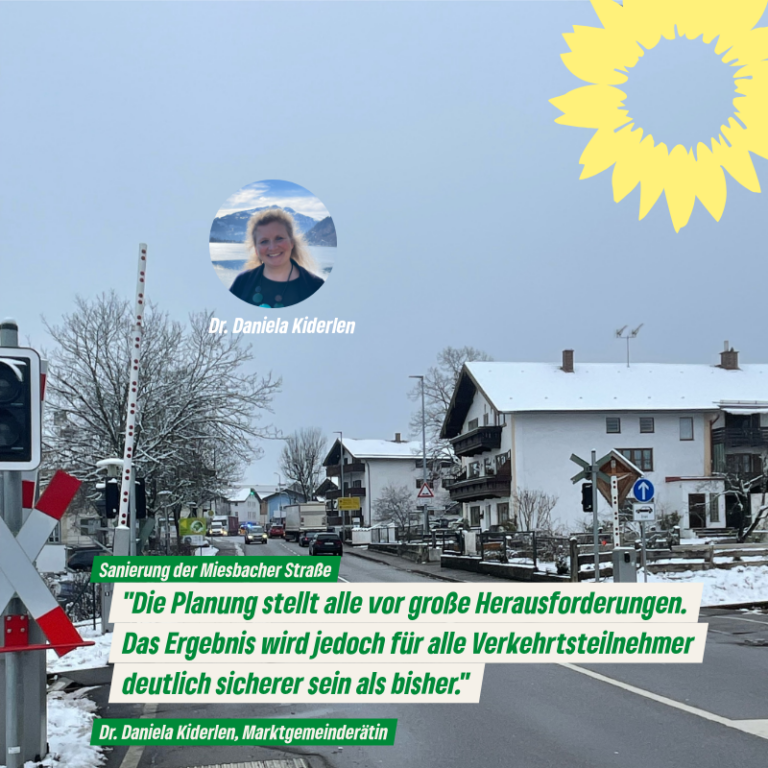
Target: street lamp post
423, 448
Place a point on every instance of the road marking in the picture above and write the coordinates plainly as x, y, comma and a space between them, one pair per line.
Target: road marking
739, 618
754, 727
135, 751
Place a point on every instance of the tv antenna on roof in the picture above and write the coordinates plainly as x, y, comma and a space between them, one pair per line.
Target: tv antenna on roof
630, 335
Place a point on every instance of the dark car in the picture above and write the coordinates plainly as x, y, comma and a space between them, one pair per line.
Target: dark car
277, 532
326, 544
255, 534
82, 559
306, 537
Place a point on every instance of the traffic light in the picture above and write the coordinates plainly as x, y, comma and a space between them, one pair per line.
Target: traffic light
141, 499
19, 409
587, 497
112, 498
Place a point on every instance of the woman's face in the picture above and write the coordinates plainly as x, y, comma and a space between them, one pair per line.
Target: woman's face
273, 245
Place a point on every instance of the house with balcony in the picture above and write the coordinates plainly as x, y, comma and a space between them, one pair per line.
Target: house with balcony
368, 467
691, 429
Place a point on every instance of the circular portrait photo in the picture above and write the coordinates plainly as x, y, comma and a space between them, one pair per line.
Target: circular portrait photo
272, 244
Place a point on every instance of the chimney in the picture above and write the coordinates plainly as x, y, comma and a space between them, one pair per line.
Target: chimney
397, 437
567, 366
729, 359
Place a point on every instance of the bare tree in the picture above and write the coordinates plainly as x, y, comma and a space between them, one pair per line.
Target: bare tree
197, 408
439, 384
396, 505
534, 509
302, 459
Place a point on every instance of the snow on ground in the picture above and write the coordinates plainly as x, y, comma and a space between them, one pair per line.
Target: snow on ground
742, 584
89, 657
69, 731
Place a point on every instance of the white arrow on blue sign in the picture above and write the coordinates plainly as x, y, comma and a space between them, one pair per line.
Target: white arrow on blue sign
643, 489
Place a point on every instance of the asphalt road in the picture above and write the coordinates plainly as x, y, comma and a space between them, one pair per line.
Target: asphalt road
538, 716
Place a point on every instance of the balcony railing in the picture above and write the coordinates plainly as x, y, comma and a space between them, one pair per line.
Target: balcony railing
334, 470
741, 437
477, 441
336, 493
476, 486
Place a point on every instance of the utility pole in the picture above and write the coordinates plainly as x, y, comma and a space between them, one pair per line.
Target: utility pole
425, 521
341, 482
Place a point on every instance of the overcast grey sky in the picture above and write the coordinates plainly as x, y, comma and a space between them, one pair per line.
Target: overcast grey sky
425, 129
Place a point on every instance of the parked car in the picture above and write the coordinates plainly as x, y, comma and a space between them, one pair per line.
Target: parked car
326, 544
82, 559
277, 532
306, 537
255, 534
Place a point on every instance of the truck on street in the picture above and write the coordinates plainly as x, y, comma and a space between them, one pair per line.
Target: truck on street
299, 518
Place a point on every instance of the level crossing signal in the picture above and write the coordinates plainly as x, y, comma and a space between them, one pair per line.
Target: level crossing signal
20, 435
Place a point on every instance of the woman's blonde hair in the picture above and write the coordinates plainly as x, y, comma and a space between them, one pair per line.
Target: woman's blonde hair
300, 254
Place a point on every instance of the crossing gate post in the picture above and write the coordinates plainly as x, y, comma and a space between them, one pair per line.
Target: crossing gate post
24, 529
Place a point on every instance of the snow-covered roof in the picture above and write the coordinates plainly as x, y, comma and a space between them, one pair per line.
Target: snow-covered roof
238, 495
383, 449
609, 386
521, 387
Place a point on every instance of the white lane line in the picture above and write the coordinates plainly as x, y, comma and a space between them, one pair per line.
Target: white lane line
739, 618
755, 727
134, 753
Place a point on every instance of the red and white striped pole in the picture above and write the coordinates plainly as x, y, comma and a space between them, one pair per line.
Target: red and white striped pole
125, 531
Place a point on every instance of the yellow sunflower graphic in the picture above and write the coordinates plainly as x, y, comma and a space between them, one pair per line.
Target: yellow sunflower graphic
602, 57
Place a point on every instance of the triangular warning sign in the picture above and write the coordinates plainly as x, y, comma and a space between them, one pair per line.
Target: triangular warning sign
425, 492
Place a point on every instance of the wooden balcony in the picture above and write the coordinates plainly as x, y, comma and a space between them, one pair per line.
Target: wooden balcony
491, 485
477, 441
336, 494
740, 437
334, 470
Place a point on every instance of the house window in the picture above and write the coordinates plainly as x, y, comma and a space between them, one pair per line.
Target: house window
420, 482
642, 458
474, 517
503, 510
474, 469
714, 508
357, 483
646, 424
686, 427
613, 425
485, 419
55, 537
472, 424
502, 459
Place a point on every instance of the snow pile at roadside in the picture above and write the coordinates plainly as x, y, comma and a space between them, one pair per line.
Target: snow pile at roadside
83, 658
743, 584
69, 732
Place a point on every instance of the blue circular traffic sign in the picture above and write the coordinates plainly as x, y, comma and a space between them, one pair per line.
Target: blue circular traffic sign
643, 489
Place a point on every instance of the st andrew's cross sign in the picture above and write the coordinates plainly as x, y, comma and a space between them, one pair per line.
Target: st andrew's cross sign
18, 573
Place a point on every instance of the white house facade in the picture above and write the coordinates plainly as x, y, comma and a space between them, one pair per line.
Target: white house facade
370, 466
516, 425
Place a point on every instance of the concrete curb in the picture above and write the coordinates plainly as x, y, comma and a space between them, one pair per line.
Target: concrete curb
438, 577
